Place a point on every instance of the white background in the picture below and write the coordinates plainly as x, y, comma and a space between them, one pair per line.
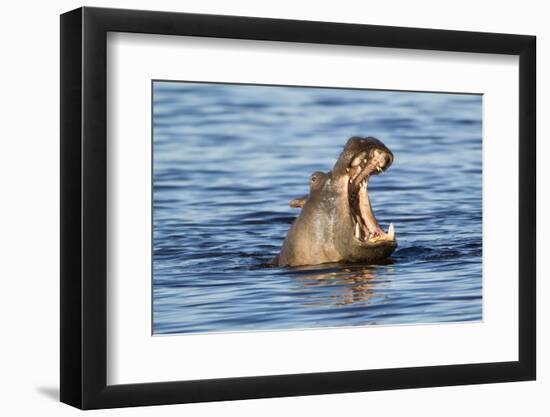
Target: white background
29, 213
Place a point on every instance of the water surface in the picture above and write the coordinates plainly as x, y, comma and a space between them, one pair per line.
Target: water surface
227, 159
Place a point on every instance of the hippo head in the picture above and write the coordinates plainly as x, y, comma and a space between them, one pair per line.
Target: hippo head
337, 222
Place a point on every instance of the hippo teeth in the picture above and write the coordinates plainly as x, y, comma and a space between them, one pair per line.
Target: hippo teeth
359, 159
391, 232
365, 226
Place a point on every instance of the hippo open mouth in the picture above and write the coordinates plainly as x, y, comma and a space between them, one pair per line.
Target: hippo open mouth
364, 164
336, 222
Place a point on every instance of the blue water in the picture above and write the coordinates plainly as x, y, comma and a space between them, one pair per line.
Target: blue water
229, 158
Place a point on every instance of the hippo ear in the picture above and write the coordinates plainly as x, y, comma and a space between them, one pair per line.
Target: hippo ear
299, 202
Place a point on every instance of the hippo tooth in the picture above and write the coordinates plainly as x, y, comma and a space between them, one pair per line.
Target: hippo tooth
356, 161
357, 230
347, 169
391, 232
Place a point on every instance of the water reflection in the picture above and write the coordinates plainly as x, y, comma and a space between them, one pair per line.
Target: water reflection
343, 285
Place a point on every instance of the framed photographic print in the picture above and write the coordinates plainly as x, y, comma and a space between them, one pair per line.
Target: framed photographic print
258, 207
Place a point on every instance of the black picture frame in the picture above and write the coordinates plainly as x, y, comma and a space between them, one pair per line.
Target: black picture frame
84, 207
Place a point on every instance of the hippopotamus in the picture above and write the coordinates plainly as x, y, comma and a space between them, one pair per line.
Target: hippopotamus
336, 222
